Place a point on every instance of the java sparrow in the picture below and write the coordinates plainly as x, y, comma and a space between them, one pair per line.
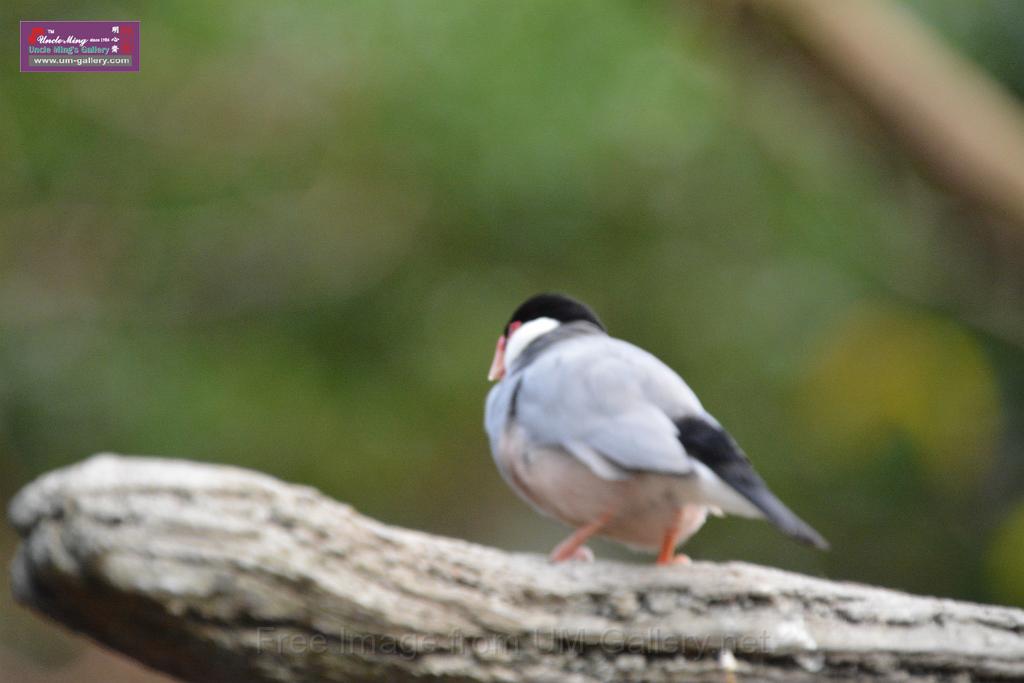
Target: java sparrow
603, 436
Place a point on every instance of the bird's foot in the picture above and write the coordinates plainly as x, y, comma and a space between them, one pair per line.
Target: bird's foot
676, 559
572, 548
580, 554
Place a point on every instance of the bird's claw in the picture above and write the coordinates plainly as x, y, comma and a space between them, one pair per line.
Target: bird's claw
581, 554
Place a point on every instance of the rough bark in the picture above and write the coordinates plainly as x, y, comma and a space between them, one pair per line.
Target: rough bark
215, 573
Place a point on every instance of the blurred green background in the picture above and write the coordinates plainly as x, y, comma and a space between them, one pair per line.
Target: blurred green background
290, 243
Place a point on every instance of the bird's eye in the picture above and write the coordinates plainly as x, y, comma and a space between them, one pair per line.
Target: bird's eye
512, 327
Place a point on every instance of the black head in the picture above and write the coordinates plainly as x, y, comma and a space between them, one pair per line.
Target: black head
556, 306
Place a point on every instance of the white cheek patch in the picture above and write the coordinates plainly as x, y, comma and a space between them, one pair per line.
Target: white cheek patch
522, 337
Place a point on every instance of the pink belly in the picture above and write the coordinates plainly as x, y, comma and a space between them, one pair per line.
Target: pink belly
644, 507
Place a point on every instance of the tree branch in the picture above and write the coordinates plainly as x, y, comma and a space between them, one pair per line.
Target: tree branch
963, 126
214, 573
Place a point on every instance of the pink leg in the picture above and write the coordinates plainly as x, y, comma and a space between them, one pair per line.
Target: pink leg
687, 521
572, 548
668, 548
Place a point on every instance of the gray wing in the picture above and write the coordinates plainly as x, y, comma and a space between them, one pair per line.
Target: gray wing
604, 399
497, 410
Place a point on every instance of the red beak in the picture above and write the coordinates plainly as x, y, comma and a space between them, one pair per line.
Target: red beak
497, 370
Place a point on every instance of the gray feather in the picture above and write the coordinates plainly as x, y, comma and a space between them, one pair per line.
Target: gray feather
599, 397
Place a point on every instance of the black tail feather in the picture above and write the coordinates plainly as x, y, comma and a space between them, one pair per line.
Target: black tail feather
712, 445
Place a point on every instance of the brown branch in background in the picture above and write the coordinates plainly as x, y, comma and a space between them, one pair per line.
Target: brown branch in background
964, 128
215, 573
926, 104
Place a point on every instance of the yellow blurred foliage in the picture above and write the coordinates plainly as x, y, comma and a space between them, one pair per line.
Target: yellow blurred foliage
1006, 560
884, 372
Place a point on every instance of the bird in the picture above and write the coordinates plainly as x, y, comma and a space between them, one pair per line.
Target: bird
603, 436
